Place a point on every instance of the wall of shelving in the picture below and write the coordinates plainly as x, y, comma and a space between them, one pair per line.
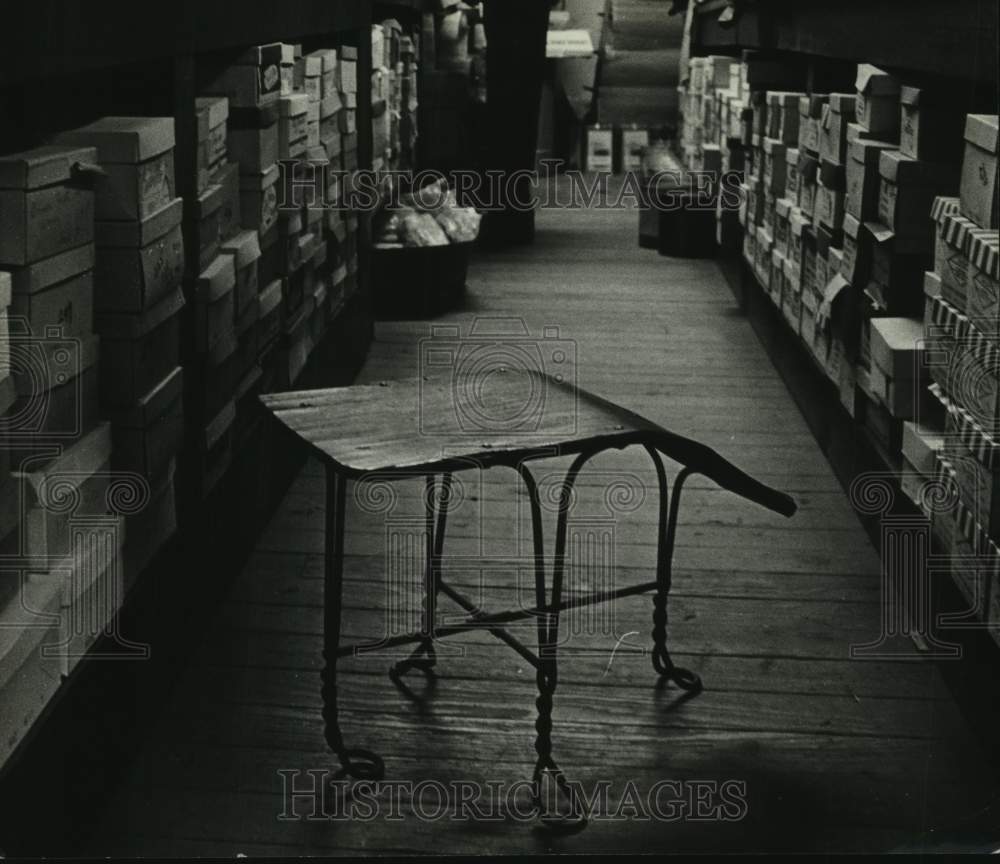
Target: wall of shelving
189, 276
863, 221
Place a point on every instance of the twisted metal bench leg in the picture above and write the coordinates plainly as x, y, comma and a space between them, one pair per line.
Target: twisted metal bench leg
355, 762
547, 676
424, 657
662, 662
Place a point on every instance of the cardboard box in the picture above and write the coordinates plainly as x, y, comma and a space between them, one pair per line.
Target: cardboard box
245, 249
254, 82
212, 114
269, 313
312, 76
863, 178
634, 143
951, 261
829, 207
136, 155
946, 329
836, 114
921, 445
896, 277
750, 246
903, 399
287, 69
148, 434
974, 381
214, 305
30, 677
83, 470
259, 200
808, 174
977, 477
229, 209
599, 149
792, 174
57, 293
293, 125
932, 289
46, 203
347, 71
810, 116
775, 166
255, 149
877, 108
979, 171
791, 301
896, 347
930, 127
856, 263
797, 223
783, 114
138, 350
140, 263
906, 195
782, 212
983, 286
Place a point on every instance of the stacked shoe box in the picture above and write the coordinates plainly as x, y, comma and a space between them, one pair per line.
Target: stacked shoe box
348, 59
408, 71
139, 298
902, 235
964, 327
54, 450
222, 315
239, 286
254, 143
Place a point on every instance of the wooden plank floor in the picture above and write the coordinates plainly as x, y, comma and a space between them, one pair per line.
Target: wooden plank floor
835, 754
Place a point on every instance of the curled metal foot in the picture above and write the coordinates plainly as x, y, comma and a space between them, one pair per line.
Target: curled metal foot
687, 680
559, 823
360, 764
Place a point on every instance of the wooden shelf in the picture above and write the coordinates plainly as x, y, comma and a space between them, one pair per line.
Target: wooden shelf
956, 39
52, 39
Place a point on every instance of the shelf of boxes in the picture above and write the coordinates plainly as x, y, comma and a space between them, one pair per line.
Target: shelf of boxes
156, 275
869, 218
56, 472
395, 65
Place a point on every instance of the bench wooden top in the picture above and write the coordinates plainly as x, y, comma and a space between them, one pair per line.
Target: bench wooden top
431, 425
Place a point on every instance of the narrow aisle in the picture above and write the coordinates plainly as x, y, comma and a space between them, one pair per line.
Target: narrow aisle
826, 753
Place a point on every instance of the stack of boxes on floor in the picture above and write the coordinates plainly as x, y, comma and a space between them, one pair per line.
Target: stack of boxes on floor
343, 221
225, 317
453, 78
265, 284
714, 102
387, 90
117, 341
55, 453
850, 198
252, 142
138, 301
962, 317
